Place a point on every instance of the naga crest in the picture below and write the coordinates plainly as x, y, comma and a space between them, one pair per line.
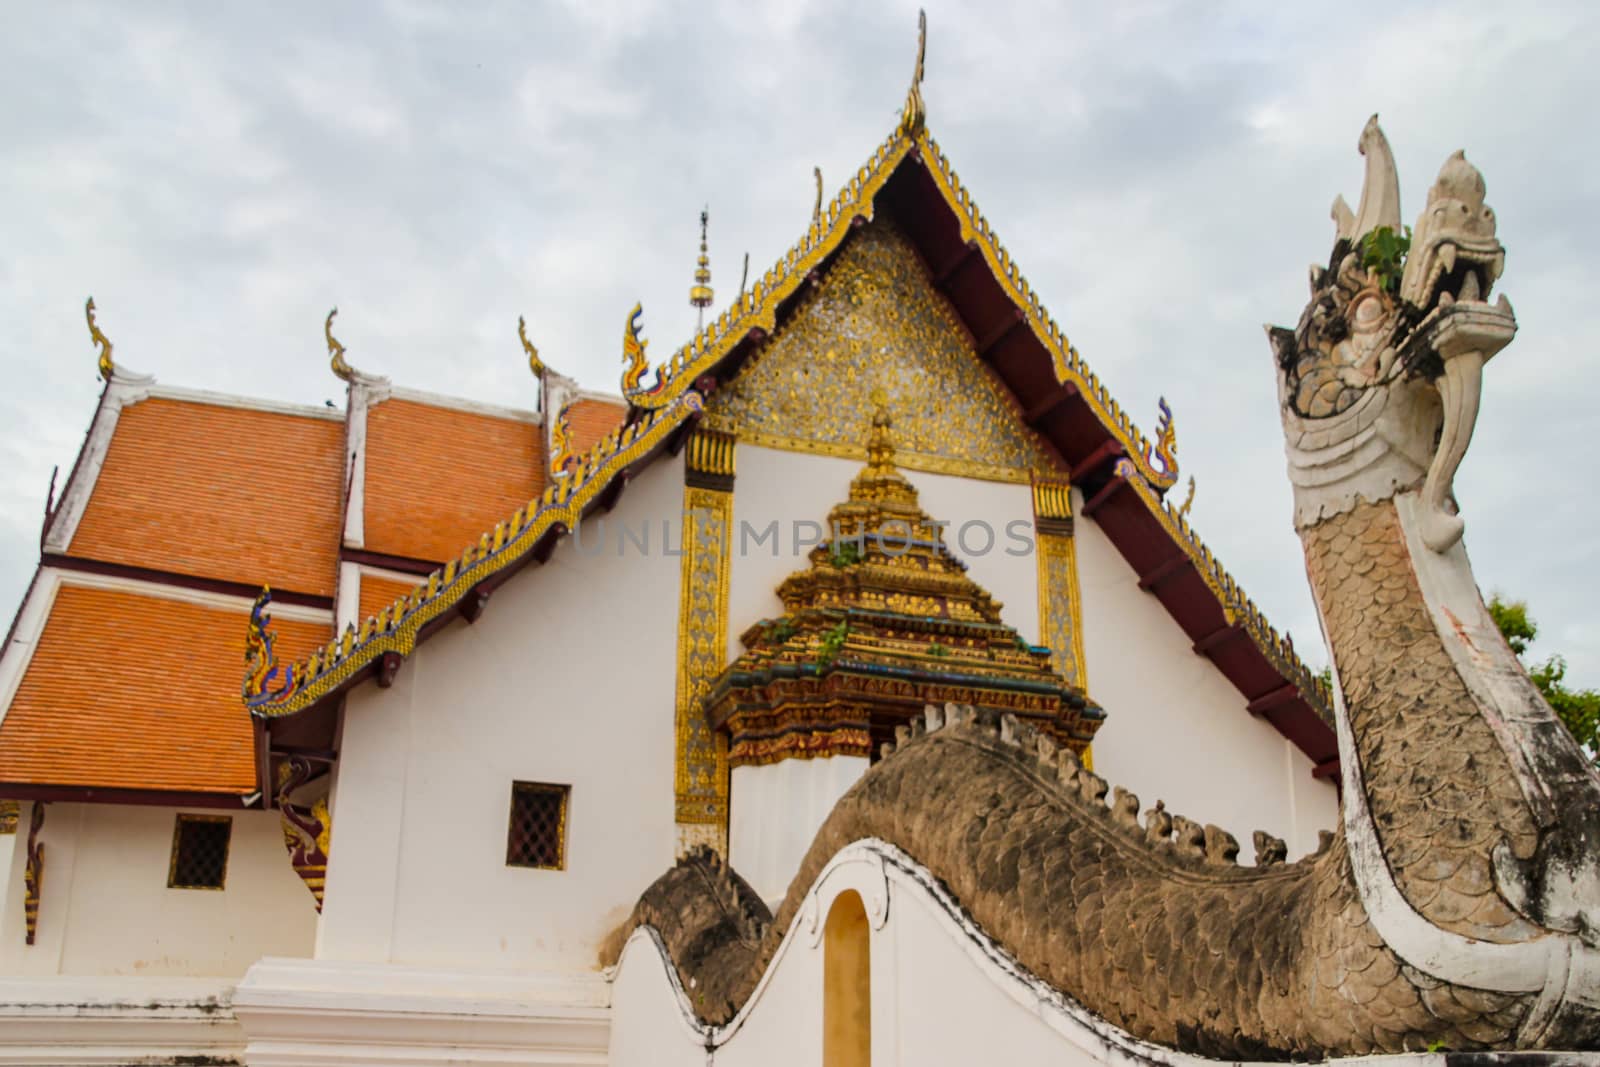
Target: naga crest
1379, 382
264, 678
561, 456
634, 363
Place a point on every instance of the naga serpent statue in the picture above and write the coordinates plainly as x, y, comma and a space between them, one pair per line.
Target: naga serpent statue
1458, 903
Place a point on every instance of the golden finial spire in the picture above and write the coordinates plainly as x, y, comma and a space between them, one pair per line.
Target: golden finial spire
336, 350
744, 275
700, 294
914, 116
535, 364
879, 480
816, 211
107, 368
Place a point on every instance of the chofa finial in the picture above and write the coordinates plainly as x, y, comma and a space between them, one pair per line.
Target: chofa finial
535, 364
816, 210
341, 368
107, 368
634, 361
1164, 449
915, 116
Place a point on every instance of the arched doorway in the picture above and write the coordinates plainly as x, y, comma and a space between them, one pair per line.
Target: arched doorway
847, 984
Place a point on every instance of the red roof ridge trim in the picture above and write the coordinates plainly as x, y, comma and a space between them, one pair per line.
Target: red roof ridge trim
457, 403
208, 398
396, 628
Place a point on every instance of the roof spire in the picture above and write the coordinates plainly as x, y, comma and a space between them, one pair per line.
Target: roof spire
915, 116
107, 368
700, 294
816, 211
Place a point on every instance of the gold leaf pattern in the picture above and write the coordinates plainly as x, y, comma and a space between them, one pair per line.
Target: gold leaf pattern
701, 774
877, 325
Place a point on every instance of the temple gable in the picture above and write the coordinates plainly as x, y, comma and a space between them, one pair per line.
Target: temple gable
875, 327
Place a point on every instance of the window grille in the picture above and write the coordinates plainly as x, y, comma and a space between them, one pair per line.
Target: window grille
200, 852
537, 836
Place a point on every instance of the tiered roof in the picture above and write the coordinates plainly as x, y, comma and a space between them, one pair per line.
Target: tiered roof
120, 677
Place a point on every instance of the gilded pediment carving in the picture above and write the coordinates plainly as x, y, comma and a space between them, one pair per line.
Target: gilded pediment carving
877, 329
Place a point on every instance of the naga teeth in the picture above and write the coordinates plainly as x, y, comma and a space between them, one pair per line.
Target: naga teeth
1470, 289
1447, 257
1445, 299
1504, 304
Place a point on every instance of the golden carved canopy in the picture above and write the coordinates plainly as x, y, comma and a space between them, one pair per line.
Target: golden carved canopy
877, 327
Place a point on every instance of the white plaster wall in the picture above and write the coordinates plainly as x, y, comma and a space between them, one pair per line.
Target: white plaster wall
943, 1009
1176, 728
567, 677
786, 1027
647, 1027
775, 812
106, 908
933, 1002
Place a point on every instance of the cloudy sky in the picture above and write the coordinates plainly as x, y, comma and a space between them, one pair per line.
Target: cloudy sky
219, 176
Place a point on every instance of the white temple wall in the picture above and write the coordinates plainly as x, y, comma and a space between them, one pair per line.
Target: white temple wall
567, 678
647, 1026
106, 909
949, 1009
1176, 728
775, 812
937, 994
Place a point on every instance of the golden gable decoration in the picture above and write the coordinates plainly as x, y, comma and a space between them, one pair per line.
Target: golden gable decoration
876, 326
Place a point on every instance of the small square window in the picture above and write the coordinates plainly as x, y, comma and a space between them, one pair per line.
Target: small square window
199, 852
537, 836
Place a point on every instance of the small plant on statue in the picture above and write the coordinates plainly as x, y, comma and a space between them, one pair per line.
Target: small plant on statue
780, 631
832, 642
845, 554
1383, 255
938, 651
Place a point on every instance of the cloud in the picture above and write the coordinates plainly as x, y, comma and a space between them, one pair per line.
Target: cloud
219, 179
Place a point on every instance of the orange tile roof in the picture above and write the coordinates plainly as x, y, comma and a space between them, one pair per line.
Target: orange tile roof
377, 594
219, 492
127, 691
591, 420
437, 477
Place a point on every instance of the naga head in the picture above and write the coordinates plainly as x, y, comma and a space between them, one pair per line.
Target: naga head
1379, 381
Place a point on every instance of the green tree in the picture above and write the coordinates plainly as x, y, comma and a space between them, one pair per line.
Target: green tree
1578, 708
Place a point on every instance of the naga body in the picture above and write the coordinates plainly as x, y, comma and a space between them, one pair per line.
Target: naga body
1456, 905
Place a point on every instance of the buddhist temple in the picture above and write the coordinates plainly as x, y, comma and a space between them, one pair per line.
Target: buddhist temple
847, 687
